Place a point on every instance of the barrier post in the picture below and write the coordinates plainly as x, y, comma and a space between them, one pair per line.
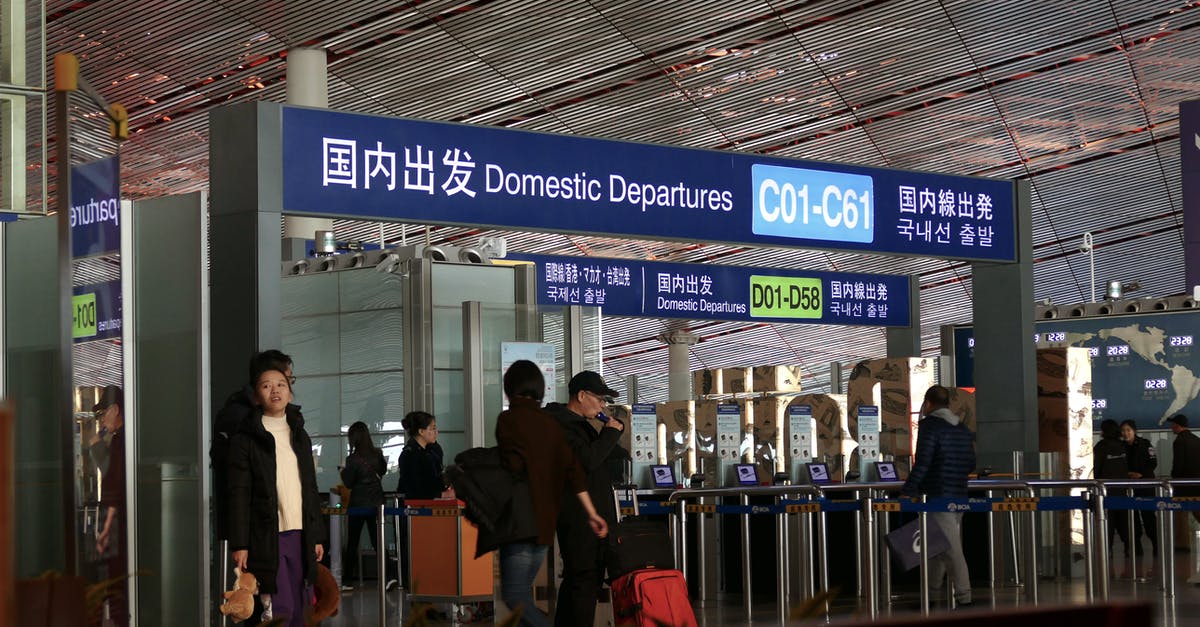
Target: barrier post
923, 517
991, 538
858, 550
381, 563
868, 565
746, 601
1101, 540
702, 555
1089, 564
781, 565
1166, 541
224, 575
1031, 577
681, 508
1133, 543
885, 568
399, 544
822, 552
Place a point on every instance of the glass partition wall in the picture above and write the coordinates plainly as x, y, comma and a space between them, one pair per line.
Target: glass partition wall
347, 331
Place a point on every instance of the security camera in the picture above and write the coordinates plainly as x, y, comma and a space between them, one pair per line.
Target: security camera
1086, 246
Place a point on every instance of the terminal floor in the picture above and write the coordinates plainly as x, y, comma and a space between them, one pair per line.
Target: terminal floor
360, 607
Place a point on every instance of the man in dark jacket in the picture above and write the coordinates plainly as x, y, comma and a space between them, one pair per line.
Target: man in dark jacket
582, 552
1185, 452
945, 456
1110, 461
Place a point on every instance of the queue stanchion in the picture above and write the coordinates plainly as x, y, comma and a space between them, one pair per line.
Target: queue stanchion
806, 555
1101, 540
224, 575
885, 569
1136, 542
673, 527
858, 550
1031, 577
991, 540
1089, 563
781, 567
822, 548
702, 555
682, 521
745, 501
868, 565
381, 562
1166, 541
399, 543
923, 517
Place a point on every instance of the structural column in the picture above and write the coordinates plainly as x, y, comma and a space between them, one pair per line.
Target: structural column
906, 341
307, 86
1005, 363
679, 363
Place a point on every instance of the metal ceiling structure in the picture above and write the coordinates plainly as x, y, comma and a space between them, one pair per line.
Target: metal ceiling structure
1081, 98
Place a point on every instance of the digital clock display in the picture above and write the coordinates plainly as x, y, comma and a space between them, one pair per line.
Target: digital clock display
784, 297
1094, 351
1056, 336
1117, 351
971, 342
1099, 403
1180, 340
1156, 384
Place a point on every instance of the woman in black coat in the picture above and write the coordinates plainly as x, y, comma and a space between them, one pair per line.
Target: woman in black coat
1143, 460
421, 459
364, 467
275, 526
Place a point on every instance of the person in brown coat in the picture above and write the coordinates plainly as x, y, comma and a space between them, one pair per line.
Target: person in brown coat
532, 444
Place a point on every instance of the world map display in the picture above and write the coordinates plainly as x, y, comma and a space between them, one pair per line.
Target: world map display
1145, 367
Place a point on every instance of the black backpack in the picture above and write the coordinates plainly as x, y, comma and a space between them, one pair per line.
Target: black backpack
496, 499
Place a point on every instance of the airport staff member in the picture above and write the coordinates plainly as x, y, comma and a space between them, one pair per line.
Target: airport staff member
945, 456
1185, 453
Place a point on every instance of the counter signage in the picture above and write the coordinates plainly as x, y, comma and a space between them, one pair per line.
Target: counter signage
643, 427
868, 440
729, 431
96, 311
801, 433
96, 208
337, 163
628, 287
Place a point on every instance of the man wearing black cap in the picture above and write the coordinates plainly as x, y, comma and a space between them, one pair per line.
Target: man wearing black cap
582, 553
1185, 453
110, 411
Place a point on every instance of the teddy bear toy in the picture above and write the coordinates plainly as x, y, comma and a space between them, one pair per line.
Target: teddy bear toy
239, 602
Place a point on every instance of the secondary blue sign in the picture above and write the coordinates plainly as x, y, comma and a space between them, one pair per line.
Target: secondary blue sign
96, 208
629, 287
435, 172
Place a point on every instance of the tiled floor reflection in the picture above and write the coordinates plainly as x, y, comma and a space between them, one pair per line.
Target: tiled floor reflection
360, 608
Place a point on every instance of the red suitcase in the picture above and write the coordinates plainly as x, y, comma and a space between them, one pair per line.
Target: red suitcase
652, 597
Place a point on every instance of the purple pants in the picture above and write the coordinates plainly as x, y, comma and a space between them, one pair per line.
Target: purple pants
289, 601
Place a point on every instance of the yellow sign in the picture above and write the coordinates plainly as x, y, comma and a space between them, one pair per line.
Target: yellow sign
803, 508
83, 315
1016, 504
886, 507
701, 509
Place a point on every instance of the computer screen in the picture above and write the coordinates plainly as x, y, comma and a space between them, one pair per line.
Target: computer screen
818, 472
886, 471
747, 474
664, 476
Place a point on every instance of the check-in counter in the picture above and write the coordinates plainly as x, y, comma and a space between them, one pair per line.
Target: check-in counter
442, 563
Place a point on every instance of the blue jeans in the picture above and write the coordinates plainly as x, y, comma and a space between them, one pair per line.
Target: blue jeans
519, 565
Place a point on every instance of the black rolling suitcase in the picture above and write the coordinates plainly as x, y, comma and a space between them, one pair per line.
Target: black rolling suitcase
636, 543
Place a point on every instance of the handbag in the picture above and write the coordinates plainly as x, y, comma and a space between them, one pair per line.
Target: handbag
905, 543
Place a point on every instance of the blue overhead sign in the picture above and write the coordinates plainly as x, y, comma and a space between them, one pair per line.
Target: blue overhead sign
629, 287
96, 208
368, 166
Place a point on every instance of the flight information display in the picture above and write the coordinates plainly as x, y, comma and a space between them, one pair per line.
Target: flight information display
1144, 366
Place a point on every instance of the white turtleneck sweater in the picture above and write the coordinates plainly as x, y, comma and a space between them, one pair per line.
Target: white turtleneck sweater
287, 474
